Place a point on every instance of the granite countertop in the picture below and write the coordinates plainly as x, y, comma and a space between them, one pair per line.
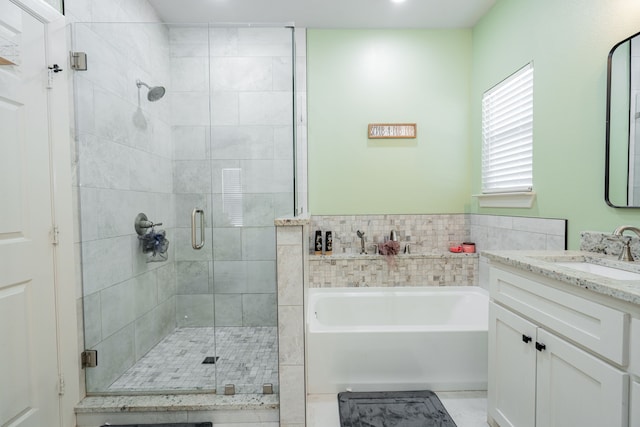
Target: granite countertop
544, 263
292, 221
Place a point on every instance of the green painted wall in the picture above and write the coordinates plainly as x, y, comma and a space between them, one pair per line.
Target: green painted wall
568, 41
357, 77
436, 78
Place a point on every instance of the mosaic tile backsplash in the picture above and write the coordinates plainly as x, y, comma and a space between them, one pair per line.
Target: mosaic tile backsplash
405, 270
428, 264
425, 233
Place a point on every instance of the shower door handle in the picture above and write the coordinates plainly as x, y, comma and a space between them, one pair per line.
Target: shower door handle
194, 244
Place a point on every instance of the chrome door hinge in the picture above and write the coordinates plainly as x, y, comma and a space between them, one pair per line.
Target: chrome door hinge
89, 358
61, 385
54, 235
78, 61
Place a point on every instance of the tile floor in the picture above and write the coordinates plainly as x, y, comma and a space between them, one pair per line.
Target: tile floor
467, 408
247, 357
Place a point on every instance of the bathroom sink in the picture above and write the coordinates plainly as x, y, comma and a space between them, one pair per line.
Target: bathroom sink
600, 270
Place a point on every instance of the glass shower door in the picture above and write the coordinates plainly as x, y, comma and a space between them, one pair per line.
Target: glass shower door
124, 169
210, 164
251, 78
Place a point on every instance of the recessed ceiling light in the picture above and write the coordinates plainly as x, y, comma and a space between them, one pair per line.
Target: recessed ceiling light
397, 1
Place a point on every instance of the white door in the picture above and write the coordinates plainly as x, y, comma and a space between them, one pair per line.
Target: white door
28, 353
512, 369
577, 389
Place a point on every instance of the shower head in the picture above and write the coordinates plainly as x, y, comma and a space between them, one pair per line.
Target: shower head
155, 92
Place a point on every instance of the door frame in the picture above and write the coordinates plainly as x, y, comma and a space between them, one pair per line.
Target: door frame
65, 280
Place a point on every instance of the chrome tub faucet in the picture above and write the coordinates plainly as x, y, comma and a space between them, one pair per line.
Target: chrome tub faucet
362, 245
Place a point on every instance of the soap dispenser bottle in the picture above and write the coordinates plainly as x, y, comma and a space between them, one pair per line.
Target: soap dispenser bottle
318, 243
328, 243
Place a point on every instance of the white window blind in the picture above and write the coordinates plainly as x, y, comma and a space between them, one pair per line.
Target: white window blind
507, 134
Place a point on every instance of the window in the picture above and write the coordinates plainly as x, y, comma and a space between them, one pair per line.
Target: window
507, 134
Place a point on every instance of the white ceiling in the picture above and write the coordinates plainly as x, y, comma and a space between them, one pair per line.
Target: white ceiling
328, 13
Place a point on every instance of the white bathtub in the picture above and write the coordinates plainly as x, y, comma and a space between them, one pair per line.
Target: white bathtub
388, 339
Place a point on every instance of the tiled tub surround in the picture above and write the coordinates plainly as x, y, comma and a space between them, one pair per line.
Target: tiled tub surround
425, 233
429, 264
493, 232
429, 237
436, 233
439, 269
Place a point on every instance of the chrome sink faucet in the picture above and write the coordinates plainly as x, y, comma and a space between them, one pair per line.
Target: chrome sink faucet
625, 255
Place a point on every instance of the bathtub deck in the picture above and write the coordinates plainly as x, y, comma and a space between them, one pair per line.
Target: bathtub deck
468, 409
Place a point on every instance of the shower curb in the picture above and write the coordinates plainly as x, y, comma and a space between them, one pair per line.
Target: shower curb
251, 410
176, 402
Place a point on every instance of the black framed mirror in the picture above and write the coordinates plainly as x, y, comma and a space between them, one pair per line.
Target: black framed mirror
622, 156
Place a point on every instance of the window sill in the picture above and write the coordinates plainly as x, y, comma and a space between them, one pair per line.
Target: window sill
523, 200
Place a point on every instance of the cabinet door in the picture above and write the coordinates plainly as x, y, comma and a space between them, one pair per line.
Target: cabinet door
577, 389
512, 369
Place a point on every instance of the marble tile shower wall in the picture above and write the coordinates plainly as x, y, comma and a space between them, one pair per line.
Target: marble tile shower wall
232, 131
430, 237
124, 152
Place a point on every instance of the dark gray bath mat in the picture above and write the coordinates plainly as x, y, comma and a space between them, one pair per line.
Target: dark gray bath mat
162, 425
392, 409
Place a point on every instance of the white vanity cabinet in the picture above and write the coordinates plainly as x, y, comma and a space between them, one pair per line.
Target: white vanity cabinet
555, 359
512, 369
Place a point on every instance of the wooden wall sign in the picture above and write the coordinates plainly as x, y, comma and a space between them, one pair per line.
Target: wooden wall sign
392, 130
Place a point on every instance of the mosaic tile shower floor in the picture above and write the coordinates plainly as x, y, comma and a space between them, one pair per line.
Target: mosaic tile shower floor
247, 357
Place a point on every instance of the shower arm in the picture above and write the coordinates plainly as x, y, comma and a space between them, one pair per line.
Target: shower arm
141, 83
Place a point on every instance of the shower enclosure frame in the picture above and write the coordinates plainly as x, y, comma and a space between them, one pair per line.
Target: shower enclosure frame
104, 260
